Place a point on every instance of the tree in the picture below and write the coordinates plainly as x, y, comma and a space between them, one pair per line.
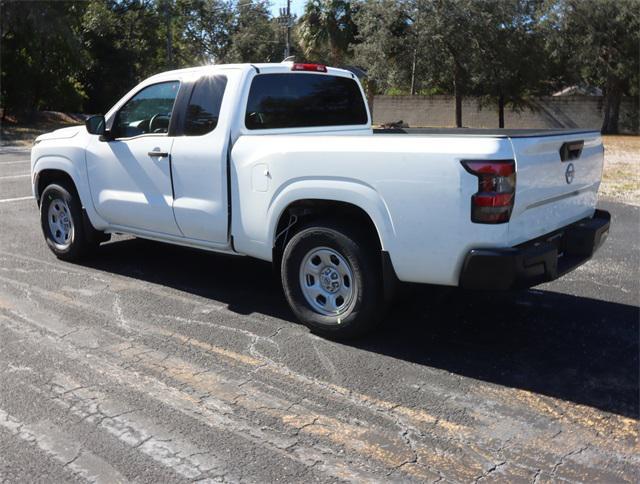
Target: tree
418, 44
451, 26
596, 43
327, 31
123, 43
383, 33
254, 35
492, 49
600, 40
40, 61
509, 63
71, 55
203, 31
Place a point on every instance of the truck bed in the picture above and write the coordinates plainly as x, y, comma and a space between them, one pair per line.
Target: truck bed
484, 132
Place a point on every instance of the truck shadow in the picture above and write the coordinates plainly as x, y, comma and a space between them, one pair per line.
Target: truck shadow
573, 348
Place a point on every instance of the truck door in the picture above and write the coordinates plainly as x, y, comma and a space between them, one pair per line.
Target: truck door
130, 175
199, 162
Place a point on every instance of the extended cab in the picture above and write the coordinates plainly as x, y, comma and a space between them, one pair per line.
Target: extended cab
279, 162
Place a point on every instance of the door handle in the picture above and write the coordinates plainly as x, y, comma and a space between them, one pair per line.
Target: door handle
571, 150
158, 154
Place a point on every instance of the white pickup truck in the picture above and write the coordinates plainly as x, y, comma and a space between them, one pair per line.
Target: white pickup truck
279, 162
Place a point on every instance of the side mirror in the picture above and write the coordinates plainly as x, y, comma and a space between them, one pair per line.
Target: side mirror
95, 124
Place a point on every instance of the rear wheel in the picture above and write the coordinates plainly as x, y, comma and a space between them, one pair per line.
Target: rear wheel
63, 225
332, 280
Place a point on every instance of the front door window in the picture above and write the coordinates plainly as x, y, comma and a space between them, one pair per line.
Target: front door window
148, 112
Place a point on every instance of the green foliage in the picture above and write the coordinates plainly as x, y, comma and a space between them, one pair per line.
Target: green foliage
120, 40
327, 31
202, 30
500, 51
383, 43
254, 34
40, 66
598, 43
81, 55
510, 54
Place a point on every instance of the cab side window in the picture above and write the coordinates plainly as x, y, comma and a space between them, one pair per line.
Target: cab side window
204, 105
148, 112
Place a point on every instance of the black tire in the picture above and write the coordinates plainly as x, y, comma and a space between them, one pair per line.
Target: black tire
366, 307
82, 240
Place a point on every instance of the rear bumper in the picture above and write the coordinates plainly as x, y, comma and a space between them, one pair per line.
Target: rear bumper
536, 261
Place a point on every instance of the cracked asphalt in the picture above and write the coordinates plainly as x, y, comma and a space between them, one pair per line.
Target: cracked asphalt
153, 363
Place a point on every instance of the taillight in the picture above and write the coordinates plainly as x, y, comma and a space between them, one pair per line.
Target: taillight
309, 67
493, 202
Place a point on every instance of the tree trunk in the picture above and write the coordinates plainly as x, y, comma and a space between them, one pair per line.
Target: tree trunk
501, 110
612, 100
615, 112
458, 110
457, 92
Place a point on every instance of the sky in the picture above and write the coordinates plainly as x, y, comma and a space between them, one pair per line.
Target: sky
297, 6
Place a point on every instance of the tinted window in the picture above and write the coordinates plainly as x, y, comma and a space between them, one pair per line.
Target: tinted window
149, 111
303, 100
204, 106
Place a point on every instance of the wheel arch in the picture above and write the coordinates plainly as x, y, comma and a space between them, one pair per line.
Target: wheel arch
336, 198
48, 176
305, 210
49, 169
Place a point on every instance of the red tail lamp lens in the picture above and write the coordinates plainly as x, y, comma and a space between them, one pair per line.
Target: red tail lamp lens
493, 202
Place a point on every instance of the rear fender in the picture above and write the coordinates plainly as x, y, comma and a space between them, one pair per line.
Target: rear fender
353, 192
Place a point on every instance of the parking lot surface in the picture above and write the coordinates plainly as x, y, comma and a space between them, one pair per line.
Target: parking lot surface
154, 363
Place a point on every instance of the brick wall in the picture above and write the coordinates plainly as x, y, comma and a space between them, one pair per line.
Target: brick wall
545, 112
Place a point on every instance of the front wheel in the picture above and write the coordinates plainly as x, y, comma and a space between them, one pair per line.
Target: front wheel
62, 223
332, 280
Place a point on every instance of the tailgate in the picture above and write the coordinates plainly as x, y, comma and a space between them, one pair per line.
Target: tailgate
557, 181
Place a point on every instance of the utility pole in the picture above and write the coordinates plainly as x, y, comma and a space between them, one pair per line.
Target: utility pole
287, 52
285, 18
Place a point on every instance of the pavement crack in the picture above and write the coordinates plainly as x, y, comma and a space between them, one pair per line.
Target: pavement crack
566, 456
490, 471
308, 424
142, 442
75, 458
536, 476
69, 333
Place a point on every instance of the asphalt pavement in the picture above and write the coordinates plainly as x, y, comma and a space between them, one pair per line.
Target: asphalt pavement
154, 363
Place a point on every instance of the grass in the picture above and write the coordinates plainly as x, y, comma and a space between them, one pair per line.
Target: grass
621, 176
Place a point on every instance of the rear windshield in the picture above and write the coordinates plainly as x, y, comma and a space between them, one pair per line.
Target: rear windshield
304, 101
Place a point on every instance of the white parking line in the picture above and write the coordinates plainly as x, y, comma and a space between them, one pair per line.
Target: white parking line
16, 199
15, 176
14, 162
